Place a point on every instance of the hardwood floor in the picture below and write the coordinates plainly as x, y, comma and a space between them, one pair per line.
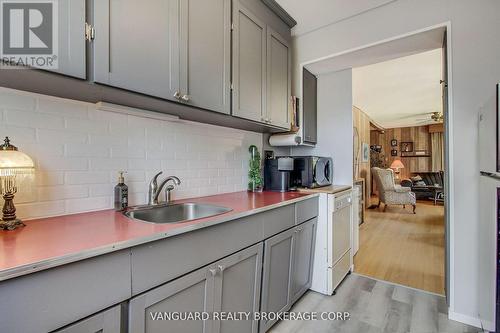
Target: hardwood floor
375, 307
402, 247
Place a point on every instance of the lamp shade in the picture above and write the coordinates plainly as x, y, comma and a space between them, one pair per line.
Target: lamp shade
397, 164
14, 162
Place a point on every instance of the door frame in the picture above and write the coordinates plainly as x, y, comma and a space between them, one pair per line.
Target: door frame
449, 145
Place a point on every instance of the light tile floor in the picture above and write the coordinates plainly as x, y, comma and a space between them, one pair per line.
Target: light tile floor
375, 306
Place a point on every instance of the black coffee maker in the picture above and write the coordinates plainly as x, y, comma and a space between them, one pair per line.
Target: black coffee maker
277, 174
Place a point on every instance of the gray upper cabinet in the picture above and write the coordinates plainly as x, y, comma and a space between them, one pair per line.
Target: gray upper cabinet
277, 275
137, 46
261, 69
278, 79
108, 321
71, 38
309, 107
237, 289
205, 54
303, 258
190, 293
249, 64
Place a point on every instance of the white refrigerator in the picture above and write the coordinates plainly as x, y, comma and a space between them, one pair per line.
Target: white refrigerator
489, 198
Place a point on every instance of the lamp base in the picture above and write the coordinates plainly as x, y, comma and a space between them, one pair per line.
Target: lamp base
11, 224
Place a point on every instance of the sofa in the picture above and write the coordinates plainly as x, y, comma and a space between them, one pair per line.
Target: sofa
420, 182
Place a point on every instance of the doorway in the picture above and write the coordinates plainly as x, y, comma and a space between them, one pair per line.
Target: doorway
436, 211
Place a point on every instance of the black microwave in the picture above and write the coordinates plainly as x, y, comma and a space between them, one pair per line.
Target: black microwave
311, 171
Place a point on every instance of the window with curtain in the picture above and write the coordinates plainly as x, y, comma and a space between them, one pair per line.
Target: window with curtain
437, 148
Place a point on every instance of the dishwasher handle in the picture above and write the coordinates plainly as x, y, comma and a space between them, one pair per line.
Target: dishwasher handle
343, 202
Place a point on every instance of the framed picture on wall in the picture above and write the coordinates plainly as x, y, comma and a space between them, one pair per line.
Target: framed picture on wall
394, 152
407, 147
394, 143
365, 152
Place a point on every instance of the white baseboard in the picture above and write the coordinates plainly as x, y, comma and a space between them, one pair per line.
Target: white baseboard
464, 319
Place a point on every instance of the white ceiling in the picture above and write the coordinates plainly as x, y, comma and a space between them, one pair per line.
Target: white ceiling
314, 14
400, 92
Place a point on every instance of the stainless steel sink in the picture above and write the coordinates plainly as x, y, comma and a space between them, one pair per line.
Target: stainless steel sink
175, 213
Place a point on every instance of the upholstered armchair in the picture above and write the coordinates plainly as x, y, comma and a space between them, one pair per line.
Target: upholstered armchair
391, 194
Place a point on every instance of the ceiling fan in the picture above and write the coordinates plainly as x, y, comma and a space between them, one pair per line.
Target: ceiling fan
435, 116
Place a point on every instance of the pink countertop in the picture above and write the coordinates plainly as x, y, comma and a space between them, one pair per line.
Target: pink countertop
55, 241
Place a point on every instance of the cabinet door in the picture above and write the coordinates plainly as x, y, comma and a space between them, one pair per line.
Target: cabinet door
249, 64
277, 275
71, 38
309, 106
136, 45
108, 321
278, 79
237, 289
205, 54
303, 258
190, 293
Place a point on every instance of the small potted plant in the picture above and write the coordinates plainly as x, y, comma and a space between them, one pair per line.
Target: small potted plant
255, 181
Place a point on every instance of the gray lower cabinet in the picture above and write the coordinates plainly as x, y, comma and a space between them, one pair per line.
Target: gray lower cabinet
136, 46
108, 321
231, 284
249, 64
278, 79
205, 58
237, 289
277, 275
303, 259
288, 260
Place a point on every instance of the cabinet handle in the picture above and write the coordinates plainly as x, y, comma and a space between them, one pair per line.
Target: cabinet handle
213, 272
185, 98
221, 268
177, 95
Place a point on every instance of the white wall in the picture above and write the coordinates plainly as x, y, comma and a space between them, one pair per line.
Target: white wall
475, 52
79, 149
334, 124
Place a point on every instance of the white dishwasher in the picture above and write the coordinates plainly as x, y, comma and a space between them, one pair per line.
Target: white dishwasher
332, 256
339, 259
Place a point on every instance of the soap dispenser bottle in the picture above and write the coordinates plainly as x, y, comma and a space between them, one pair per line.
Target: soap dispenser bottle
121, 193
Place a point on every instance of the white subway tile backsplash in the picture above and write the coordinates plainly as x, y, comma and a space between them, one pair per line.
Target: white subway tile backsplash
89, 177
50, 136
40, 209
33, 119
17, 100
22, 134
142, 164
101, 190
63, 107
79, 149
60, 192
116, 164
128, 152
87, 204
62, 163
86, 150
46, 178
87, 126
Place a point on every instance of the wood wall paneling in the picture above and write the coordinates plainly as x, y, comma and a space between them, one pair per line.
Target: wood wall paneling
362, 122
421, 139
